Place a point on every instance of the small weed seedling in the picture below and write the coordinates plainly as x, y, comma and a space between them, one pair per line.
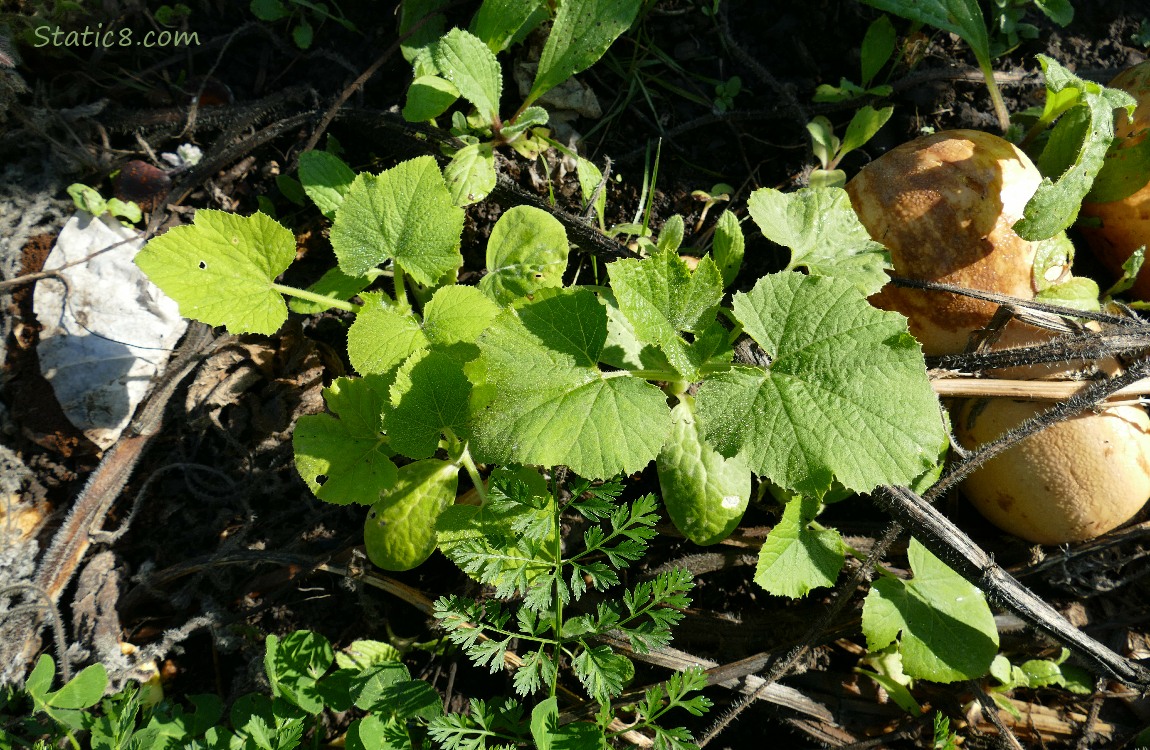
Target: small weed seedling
878, 47
829, 150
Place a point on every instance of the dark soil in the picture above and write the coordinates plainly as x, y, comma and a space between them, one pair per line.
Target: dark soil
232, 545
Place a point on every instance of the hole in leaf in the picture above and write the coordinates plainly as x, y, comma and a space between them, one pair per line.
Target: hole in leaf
321, 479
203, 265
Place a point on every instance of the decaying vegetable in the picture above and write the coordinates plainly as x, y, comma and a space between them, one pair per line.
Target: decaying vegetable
945, 206
1073, 481
1115, 229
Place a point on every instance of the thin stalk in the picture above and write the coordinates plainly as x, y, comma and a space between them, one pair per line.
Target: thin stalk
557, 623
401, 300
291, 291
467, 462
996, 100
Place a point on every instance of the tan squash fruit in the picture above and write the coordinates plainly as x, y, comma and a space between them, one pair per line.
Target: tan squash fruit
1124, 225
945, 206
1073, 481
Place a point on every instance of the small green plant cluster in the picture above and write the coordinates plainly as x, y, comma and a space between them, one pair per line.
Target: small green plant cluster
303, 16
89, 199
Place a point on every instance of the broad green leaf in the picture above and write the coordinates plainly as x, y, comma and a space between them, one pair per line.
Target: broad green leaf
303, 34
1123, 173
335, 284
823, 233
705, 494
795, 557
368, 733
428, 98
411, 12
471, 175
580, 35
362, 654
84, 690
727, 248
454, 318
497, 22
221, 269
429, 397
866, 122
671, 236
540, 399
661, 297
944, 627
344, 458
846, 394
544, 722
961, 17
326, 178
39, 680
1079, 293
405, 213
466, 61
374, 681
294, 665
527, 251
382, 336
1076, 152
399, 533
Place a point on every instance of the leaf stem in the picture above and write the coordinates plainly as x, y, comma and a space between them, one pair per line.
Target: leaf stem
996, 100
468, 463
291, 291
401, 300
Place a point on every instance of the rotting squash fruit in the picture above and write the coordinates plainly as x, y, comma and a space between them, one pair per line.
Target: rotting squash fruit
1115, 229
945, 206
1073, 481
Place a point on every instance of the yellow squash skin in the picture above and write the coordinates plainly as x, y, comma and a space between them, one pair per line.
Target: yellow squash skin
1073, 481
1124, 225
945, 206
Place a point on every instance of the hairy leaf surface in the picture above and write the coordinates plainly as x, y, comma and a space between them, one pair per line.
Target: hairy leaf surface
796, 558
846, 394
527, 251
221, 268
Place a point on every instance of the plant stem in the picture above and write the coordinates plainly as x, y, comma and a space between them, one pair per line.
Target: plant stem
557, 623
401, 300
996, 100
468, 463
291, 291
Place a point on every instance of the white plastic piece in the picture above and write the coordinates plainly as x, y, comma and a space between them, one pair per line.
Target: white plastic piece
107, 330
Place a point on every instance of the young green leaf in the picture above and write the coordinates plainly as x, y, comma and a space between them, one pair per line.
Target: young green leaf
671, 236
399, 533
405, 213
590, 177
428, 97
1075, 152
294, 666
795, 557
344, 458
454, 318
1079, 293
580, 35
944, 627
877, 47
823, 233
326, 178
83, 690
527, 251
1123, 173
382, 336
222, 268
466, 61
498, 22
603, 672
334, 284
417, 39
540, 399
704, 493
429, 397
727, 248
471, 173
661, 296
824, 407
866, 122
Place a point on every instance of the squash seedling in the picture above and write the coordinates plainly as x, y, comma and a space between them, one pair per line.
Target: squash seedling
829, 150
